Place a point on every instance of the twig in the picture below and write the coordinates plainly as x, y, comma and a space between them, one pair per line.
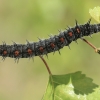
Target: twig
97, 50
89, 43
50, 74
46, 65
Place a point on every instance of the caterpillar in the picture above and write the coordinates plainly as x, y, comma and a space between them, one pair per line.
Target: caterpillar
52, 44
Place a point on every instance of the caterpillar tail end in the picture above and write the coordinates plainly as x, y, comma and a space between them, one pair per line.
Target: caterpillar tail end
97, 50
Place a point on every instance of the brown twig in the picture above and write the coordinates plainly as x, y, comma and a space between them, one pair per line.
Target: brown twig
89, 43
50, 74
97, 50
46, 65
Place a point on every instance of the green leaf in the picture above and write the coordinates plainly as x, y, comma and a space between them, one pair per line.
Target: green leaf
95, 13
73, 86
66, 92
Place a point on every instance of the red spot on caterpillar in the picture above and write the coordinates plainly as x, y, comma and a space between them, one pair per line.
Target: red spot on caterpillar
16, 53
62, 39
70, 34
78, 30
52, 45
5, 52
41, 49
29, 51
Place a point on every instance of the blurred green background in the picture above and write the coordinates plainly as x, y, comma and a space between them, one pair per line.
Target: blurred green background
29, 19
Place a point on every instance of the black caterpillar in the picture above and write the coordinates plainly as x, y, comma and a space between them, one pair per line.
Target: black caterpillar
54, 43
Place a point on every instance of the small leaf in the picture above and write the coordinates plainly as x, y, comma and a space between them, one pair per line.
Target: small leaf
95, 13
73, 86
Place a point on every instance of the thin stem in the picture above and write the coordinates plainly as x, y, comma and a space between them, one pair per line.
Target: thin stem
46, 65
50, 74
89, 43
97, 50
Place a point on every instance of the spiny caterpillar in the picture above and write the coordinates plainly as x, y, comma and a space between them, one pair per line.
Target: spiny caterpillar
54, 43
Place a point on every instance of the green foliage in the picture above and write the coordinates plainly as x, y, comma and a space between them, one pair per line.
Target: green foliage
73, 86
95, 13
